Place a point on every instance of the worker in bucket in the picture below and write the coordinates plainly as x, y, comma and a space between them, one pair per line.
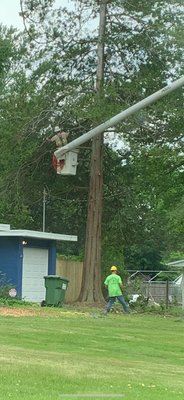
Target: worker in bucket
60, 137
114, 285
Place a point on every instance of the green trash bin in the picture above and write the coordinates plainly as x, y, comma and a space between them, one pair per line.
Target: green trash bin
56, 287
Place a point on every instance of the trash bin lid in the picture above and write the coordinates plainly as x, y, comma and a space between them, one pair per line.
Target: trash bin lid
56, 277
64, 279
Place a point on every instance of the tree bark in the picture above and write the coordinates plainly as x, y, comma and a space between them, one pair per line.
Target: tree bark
91, 290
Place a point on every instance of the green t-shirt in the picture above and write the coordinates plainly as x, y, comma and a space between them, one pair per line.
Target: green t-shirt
113, 281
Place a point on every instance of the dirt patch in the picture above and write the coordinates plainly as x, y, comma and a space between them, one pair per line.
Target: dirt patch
18, 312
31, 312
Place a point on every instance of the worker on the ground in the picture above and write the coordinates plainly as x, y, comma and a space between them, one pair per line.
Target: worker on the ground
114, 285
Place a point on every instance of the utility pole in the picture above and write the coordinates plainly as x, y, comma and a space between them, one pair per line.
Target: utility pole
44, 208
91, 280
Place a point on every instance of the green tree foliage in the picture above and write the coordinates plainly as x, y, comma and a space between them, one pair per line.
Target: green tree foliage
47, 78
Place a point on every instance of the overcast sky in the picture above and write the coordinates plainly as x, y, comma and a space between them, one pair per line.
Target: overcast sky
9, 12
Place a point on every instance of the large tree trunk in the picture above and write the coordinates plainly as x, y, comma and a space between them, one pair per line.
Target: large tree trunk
91, 279
91, 290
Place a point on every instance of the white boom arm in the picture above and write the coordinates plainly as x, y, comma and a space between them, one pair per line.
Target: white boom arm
120, 117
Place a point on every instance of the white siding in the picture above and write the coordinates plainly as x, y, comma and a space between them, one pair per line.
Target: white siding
35, 267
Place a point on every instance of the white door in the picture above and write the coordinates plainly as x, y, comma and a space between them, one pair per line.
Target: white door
35, 267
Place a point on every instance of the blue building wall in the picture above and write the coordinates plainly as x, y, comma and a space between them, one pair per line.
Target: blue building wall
52, 258
11, 258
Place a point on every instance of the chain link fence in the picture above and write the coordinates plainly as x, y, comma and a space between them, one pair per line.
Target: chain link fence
163, 292
160, 292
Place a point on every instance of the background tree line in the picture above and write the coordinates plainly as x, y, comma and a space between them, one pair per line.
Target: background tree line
47, 78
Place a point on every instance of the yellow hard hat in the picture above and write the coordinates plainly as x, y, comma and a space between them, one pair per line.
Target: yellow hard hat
113, 268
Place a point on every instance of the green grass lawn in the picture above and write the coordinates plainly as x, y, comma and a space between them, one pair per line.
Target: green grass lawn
46, 356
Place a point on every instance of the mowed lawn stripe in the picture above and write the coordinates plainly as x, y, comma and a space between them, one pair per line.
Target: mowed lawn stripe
45, 357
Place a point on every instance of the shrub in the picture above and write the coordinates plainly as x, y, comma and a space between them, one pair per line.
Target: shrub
5, 286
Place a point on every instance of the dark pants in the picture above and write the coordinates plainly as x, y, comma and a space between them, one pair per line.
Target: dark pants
120, 299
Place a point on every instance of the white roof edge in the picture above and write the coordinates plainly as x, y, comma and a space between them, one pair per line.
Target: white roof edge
178, 262
4, 227
39, 235
178, 279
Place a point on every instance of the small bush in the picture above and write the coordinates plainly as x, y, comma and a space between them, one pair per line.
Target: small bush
5, 286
